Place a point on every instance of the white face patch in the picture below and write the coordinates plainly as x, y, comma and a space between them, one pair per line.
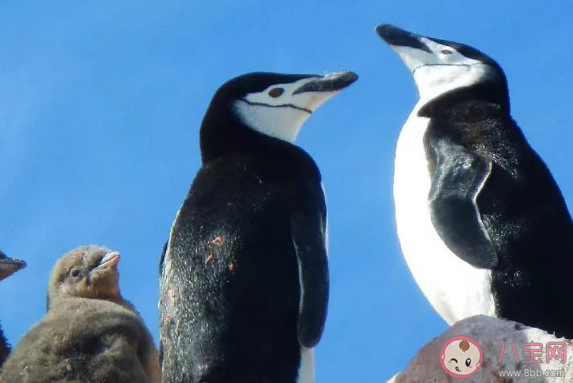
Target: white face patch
277, 111
443, 69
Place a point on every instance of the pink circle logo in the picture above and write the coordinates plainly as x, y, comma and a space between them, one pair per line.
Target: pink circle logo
461, 357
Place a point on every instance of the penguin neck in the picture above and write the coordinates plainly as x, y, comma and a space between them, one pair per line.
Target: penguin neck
118, 299
56, 300
449, 104
126, 304
223, 134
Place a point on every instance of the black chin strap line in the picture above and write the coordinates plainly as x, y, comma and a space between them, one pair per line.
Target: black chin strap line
276, 106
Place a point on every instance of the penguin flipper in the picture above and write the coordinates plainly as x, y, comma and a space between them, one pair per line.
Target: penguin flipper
162, 258
308, 226
459, 177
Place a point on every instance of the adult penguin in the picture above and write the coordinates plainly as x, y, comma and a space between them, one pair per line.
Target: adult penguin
244, 284
482, 223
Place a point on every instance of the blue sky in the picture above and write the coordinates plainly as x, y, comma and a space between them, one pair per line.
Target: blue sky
100, 104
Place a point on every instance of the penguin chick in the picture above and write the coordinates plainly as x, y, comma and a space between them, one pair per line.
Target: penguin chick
8, 266
90, 333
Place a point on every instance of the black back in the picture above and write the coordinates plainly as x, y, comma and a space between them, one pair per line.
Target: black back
518, 205
230, 286
231, 306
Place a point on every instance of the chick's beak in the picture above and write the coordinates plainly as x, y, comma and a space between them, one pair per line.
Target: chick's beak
110, 260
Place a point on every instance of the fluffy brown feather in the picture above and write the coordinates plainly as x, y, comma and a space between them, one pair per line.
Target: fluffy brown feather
90, 333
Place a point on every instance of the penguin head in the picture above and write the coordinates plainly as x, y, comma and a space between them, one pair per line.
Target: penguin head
440, 66
9, 266
271, 104
88, 272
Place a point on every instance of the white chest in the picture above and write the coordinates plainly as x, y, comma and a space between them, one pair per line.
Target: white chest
454, 288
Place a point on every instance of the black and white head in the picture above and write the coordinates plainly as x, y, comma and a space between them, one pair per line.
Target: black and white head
440, 66
9, 266
273, 104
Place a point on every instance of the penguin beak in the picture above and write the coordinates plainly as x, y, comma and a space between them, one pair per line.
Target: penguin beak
329, 83
110, 260
413, 49
9, 266
396, 37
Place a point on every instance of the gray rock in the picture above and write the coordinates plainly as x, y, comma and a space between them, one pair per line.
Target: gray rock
490, 334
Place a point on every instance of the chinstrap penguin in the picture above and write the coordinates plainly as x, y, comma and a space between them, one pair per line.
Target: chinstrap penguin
244, 276
90, 333
8, 266
481, 222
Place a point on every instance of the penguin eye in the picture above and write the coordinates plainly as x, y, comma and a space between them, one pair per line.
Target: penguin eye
468, 362
75, 273
454, 360
276, 92
446, 52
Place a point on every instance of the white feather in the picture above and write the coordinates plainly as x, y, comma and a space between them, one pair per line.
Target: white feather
306, 369
454, 288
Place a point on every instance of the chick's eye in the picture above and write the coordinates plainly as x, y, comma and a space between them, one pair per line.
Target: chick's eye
446, 52
75, 273
276, 92
468, 362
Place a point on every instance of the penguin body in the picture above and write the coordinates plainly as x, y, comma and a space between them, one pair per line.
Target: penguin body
8, 266
90, 333
481, 221
244, 285
441, 274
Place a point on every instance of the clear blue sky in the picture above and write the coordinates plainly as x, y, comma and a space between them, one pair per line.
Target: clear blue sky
100, 104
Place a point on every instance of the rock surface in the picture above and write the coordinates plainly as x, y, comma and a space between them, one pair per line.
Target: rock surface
491, 334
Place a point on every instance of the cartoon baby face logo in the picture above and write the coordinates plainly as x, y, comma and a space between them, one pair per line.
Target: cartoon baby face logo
461, 357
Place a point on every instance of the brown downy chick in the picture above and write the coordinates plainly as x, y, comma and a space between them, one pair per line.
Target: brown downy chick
90, 333
8, 266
